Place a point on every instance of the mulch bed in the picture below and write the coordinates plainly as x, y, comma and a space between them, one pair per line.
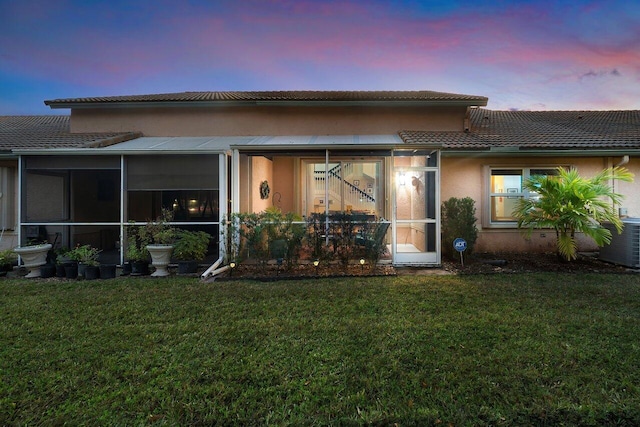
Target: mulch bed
480, 263
271, 272
488, 263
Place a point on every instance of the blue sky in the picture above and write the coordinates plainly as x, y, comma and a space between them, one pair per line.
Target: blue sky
527, 55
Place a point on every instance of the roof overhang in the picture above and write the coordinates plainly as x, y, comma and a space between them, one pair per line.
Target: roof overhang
148, 145
227, 104
323, 142
223, 144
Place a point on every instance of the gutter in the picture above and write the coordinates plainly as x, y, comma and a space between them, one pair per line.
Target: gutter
574, 152
276, 103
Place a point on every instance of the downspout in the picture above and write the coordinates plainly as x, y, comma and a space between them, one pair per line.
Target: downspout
20, 199
326, 196
212, 271
622, 162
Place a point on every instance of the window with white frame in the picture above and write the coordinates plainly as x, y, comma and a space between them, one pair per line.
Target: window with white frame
506, 189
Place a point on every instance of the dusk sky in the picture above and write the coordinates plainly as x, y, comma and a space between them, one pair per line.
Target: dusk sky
525, 55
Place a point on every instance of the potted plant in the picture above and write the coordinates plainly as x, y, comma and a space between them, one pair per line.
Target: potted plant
107, 271
162, 236
33, 256
87, 258
61, 261
8, 259
190, 247
137, 253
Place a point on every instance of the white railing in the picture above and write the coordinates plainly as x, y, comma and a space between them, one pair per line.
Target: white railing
339, 188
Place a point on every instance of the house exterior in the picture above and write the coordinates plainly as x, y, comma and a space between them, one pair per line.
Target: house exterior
388, 155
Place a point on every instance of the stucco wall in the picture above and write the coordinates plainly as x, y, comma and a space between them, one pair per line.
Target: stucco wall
284, 184
256, 121
261, 170
462, 177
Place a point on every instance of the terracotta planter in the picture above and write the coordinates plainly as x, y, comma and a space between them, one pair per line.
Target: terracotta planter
160, 258
33, 257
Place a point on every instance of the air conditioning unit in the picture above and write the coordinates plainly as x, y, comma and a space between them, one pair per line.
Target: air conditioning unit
624, 248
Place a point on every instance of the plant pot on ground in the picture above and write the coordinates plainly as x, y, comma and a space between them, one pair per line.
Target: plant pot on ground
161, 238
190, 248
107, 271
71, 270
91, 272
87, 258
136, 253
47, 270
33, 257
8, 259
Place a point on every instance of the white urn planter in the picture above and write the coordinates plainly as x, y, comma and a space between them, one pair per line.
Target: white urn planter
33, 257
160, 257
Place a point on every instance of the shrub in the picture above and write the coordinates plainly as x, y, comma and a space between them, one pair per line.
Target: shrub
85, 254
252, 235
458, 220
191, 245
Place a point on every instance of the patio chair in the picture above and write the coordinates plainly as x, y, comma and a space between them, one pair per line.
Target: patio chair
372, 240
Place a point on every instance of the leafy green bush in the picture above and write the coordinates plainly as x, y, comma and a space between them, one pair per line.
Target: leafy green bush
85, 254
265, 235
458, 220
191, 245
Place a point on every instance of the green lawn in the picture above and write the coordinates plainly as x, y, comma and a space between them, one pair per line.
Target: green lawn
528, 349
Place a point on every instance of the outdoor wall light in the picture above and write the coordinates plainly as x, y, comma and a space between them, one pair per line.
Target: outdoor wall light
402, 179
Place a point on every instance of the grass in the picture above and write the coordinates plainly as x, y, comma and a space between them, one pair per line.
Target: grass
530, 349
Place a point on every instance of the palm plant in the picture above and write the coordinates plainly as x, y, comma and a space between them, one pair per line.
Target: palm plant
568, 203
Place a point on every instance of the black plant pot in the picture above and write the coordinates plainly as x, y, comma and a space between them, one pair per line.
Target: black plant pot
71, 270
81, 268
187, 267
107, 271
140, 268
47, 270
126, 269
60, 271
91, 272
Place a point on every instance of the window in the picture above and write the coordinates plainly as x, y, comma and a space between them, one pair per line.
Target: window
506, 189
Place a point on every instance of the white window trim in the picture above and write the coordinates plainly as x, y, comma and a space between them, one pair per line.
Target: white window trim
487, 221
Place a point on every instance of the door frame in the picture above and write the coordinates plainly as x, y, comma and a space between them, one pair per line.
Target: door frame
426, 258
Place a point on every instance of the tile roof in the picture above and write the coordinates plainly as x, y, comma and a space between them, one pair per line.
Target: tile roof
539, 130
284, 97
37, 132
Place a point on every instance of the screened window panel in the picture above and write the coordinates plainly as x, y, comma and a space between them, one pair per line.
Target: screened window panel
189, 172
